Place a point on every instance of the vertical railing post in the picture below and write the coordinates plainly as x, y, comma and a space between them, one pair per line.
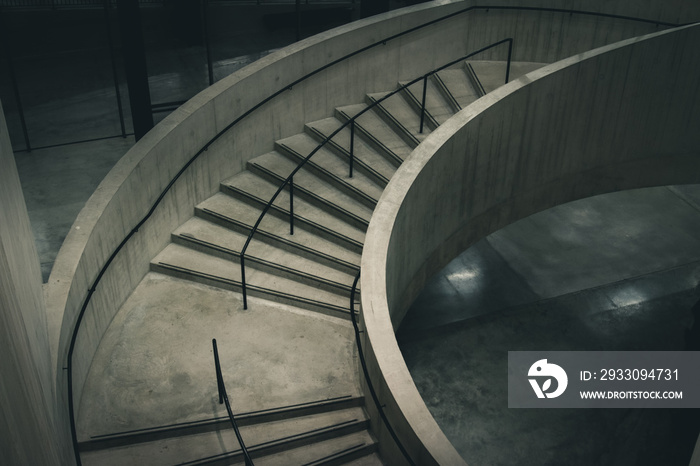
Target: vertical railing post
510, 52
291, 205
218, 371
243, 289
422, 106
352, 144
113, 60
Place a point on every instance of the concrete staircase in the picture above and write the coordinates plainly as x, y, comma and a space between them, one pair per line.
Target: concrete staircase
312, 269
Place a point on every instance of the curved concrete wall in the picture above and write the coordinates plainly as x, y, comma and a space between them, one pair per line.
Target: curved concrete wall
132, 186
620, 117
27, 430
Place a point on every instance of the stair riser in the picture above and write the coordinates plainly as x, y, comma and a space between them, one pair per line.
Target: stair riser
289, 444
255, 263
224, 424
408, 137
335, 179
370, 139
358, 165
445, 91
312, 198
270, 295
474, 80
299, 221
279, 243
339, 460
429, 121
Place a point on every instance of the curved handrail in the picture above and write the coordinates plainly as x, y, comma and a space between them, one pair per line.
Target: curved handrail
363, 363
103, 269
223, 398
290, 179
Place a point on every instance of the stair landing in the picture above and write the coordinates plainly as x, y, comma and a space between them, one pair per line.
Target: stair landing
155, 365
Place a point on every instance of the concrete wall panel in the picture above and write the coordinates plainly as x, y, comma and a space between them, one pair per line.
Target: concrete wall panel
28, 434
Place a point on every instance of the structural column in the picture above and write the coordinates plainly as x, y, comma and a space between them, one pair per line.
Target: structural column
135, 66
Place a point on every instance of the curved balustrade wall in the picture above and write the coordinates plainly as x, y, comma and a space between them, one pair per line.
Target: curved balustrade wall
621, 117
131, 188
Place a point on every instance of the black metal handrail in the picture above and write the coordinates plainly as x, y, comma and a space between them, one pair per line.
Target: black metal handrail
223, 399
351, 121
110, 259
370, 386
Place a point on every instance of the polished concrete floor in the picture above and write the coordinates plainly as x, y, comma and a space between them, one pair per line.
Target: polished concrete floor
611, 272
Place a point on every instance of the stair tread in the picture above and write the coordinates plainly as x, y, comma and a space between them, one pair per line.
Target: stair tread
198, 446
320, 450
361, 149
282, 166
435, 104
457, 82
492, 73
399, 109
223, 237
233, 208
264, 190
303, 144
381, 131
369, 460
182, 257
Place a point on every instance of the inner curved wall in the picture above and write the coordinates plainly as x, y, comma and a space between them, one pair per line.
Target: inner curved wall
130, 189
621, 117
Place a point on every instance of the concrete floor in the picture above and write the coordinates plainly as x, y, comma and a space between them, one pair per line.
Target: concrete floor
611, 272
155, 364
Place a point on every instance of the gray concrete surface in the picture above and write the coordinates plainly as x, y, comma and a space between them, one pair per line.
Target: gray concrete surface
46, 198
461, 374
28, 432
535, 143
582, 245
104, 223
623, 282
155, 364
57, 182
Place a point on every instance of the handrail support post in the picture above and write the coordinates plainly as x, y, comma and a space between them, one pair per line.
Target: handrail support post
352, 144
510, 54
422, 106
243, 287
291, 205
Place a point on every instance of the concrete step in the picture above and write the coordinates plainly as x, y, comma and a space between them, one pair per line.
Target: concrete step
401, 116
366, 158
241, 217
456, 87
376, 132
221, 423
188, 264
312, 435
331, 168
370, 460
437, 108
257, 192
356, 447
204, 236
491, 74
276, 167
